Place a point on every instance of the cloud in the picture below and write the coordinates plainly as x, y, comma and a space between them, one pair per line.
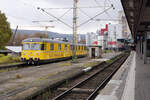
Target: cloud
23, 12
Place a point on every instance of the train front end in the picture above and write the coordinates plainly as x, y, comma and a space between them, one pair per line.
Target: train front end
31, 51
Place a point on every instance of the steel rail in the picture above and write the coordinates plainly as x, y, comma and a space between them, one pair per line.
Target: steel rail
81, 82
104, 82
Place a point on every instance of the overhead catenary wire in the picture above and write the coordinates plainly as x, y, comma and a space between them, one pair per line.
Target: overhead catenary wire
72, 7
84, 13
68, 9
48, 13
29, 4
94, 16
65, 13
52, 20
104, 6
68, 24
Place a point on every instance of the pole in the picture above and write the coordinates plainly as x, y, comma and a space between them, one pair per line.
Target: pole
74, 29
46, 31
115, 38
13, 37
145, 49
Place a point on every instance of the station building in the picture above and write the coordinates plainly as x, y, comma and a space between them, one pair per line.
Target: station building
138, 17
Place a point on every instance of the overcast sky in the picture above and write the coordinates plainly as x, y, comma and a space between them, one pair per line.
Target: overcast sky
23, 12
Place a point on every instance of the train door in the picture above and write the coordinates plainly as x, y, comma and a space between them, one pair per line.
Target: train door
93, 52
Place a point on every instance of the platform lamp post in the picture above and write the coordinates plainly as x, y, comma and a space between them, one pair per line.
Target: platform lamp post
75, 6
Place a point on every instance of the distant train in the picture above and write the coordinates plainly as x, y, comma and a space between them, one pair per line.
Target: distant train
37, 50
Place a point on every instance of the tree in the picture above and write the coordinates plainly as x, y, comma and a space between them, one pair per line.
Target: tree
5, 30
39, 35
36, 35
25, 36
18, 39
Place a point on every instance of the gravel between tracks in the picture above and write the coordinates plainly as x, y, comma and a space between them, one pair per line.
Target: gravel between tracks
21, 83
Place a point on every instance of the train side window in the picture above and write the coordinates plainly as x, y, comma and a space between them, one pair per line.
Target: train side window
74, 47
65, 46
71, 47
52, 46
59, 46
42, 47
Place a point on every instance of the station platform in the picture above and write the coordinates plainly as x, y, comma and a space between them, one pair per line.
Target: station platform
131, 82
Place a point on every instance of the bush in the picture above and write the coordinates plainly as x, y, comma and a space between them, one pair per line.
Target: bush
18, 76
1, 55
16, 59
9, 59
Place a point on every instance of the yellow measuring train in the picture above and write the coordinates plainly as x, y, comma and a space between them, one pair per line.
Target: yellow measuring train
36, 50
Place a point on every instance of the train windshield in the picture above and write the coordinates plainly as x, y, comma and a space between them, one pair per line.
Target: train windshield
35, 46
26, 47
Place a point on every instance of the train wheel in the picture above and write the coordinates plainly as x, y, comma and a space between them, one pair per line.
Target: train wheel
36, 63
28, 62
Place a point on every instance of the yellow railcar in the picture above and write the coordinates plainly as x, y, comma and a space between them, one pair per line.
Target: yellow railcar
37, 50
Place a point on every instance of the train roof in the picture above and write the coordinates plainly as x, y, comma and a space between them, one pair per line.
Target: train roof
42, 40
46, 40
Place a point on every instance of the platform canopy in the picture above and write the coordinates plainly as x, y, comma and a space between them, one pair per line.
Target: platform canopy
16, 49
138, 16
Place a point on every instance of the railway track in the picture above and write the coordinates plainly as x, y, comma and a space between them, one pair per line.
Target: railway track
11, 66
87, 88
84, 87
23, 64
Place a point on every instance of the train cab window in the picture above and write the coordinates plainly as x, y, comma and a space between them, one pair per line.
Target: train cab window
59, 46
26, 46
42, 47
35, 46
52, 46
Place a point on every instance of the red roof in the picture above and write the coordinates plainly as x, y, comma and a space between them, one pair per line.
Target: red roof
95, 42
104, 30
